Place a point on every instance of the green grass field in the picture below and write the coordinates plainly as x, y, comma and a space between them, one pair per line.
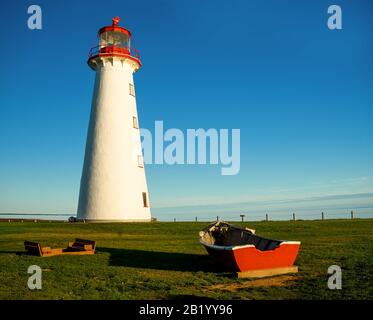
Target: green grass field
165, 261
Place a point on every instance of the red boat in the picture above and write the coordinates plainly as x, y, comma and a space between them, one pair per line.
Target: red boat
240, 249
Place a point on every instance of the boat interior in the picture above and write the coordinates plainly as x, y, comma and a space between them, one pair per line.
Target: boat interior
224, 234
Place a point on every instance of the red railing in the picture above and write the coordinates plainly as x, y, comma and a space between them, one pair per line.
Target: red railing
113, 49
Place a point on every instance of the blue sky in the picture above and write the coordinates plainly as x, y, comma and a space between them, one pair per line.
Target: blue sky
301, 94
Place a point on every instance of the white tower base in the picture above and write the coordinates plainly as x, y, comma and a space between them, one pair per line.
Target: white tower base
113, 184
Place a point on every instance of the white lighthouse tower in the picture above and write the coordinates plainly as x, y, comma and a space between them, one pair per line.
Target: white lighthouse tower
113, 184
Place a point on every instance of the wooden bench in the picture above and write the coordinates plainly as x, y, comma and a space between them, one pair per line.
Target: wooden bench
82, 245
33, 248
79, 246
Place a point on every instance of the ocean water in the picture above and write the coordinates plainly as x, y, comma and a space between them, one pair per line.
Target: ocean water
33, 216
259, 215
334, 207
166, 215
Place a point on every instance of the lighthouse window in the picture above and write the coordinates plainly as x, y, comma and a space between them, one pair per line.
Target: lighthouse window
140, 162
116, 39
132, 90
144, 199
135, 122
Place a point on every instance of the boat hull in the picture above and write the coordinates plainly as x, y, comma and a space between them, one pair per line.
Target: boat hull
246, 258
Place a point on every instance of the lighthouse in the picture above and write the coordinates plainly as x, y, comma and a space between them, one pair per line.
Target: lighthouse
113, 184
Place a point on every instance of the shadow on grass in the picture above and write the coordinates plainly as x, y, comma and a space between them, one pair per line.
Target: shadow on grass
174, 261
18, 253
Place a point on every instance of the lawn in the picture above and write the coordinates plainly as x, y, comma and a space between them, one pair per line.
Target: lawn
163, 260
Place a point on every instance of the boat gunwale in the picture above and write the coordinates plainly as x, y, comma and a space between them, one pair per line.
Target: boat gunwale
232, 248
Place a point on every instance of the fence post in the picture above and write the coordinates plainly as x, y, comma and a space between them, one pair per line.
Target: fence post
352, 214
267, 217
322, 215
293, 216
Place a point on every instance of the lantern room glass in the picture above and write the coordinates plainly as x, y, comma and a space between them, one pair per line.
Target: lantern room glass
114, 39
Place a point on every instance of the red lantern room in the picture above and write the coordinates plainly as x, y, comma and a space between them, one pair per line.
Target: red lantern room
114, 41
